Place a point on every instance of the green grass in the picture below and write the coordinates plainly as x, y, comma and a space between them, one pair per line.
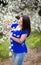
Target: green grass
34, 40
4, 50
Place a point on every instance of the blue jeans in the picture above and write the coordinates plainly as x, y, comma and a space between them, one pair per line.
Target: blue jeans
18, 58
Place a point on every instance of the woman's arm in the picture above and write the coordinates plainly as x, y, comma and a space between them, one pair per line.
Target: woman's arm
20, 40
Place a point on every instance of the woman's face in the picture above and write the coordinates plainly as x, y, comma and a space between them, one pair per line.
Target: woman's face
20, 21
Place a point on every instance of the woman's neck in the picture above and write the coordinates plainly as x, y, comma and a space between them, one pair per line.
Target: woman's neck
19, 27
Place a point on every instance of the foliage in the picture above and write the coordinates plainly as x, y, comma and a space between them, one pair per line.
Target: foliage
4, 49
34, 40
1, 34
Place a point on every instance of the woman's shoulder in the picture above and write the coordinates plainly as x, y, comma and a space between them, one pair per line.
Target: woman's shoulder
25, 32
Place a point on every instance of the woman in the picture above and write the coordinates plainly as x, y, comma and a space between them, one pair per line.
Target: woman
20, 32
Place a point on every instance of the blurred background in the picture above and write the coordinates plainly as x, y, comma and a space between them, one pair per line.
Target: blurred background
9, 11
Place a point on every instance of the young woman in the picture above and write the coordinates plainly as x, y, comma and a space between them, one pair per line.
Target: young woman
21, 30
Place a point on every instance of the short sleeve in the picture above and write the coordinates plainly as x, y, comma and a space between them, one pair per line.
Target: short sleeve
14, 25
25, 32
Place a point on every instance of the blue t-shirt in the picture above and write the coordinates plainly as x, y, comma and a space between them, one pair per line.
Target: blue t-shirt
15, 46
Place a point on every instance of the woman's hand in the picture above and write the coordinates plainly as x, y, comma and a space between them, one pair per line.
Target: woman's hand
8, 28
8, 25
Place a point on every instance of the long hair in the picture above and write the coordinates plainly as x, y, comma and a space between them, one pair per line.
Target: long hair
26, 24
